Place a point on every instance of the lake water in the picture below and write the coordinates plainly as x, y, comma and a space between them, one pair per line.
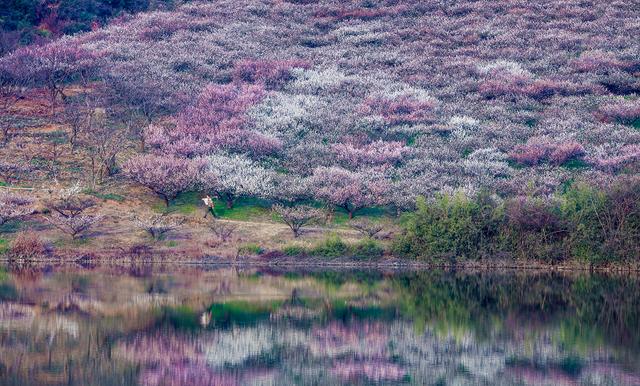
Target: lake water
181, 325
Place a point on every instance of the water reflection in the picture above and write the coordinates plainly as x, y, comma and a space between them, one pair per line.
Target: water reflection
173, 325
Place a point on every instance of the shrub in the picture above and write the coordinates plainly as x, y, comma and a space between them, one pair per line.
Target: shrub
367, 249
589, 223
451, 226
294, 250
533, 228
250, 249
604, 224
332, 246
222, 230
27, 246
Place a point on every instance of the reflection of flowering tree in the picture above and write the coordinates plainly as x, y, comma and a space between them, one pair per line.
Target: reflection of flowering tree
374, 370
362, 339
185, 374
171, 360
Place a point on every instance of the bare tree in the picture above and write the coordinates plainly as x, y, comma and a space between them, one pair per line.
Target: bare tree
68, 208
367, 227
101, 142
297, 217
14, 207
222, 230
157, 225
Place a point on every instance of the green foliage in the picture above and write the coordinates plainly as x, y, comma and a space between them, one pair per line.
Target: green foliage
582, 206
241, 312
8, 292
575, 164
245, 209
10, 227
452, 226
4, 246
250, 249
294, 250
367, 249
104, 196
332, 246
180, 318
587, 223
186, 203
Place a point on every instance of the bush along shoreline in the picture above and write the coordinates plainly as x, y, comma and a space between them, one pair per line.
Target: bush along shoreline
586, 223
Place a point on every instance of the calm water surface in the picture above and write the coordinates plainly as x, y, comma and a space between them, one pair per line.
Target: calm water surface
176, 325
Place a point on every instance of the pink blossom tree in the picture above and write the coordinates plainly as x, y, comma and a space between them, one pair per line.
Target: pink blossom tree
371, 154
54, 65
400, 109
625, 112
349, 190
538, 149
271, 74
166, 176
216, 121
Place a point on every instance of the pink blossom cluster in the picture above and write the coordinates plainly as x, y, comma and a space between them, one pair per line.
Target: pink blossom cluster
626, 156
269, 73
626, 112
537, 150
374, 153
372, 370
401, 109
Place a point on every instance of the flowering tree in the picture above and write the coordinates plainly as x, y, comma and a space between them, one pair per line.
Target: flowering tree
167, 176
437, 107
539, 149
625, 112
348, 190
366, 227
232, 176
269, 73
297, 217
400, 109
217, 121
375, 153
75, 226
54, 65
